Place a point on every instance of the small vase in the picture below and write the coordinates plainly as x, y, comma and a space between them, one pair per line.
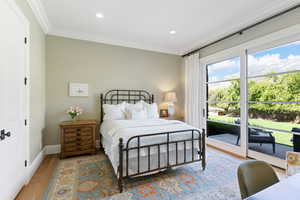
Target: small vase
73, 119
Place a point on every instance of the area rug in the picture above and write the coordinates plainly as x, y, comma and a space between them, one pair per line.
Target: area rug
92, 178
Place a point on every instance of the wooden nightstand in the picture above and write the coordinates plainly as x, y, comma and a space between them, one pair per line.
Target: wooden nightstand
174, 118
78, 137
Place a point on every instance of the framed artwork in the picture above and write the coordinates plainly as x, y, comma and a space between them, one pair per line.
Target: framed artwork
78, 90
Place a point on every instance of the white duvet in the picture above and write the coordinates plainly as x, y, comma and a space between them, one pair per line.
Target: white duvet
112, 130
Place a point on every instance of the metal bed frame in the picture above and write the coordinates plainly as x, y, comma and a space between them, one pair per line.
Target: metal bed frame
133, 96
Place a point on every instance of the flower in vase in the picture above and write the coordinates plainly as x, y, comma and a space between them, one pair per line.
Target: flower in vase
74, 111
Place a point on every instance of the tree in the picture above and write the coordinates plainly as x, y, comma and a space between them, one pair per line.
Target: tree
285, 87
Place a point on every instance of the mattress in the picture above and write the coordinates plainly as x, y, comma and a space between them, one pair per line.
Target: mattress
112, 130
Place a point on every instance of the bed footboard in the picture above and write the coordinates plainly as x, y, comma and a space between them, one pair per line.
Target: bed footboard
197, 137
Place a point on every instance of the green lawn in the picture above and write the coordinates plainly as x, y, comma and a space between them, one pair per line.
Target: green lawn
280, 137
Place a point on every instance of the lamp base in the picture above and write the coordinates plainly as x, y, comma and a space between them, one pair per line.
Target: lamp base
171, 110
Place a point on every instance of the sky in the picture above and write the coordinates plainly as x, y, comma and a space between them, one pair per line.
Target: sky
280, 59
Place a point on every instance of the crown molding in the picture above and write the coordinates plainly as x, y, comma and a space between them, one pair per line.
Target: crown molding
99, 39
40, 14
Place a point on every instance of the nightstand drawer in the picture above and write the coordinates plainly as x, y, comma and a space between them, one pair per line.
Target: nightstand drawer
85, 147
86, 131
78, 146
70, 130
70, 147
85, 138
84, 142
72, 138
78, 131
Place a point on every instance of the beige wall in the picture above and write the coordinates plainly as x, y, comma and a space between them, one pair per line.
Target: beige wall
36, 81
103, 67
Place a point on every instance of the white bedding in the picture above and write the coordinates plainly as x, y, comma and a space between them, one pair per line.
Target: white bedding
112, 130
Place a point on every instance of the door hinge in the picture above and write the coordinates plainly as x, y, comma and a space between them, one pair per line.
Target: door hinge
25, 163
25, 122
25, 81
25, 40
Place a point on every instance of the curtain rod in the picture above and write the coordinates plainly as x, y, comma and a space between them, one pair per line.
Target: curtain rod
240, 32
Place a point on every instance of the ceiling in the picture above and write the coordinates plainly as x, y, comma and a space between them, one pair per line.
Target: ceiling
147, 24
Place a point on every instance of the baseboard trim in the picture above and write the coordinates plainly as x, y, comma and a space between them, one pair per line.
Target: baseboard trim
33, 166
55, 149
52, 149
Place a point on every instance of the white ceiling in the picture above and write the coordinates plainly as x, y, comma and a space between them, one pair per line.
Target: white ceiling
146, 24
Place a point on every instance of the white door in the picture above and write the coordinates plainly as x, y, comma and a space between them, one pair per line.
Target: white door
12, 102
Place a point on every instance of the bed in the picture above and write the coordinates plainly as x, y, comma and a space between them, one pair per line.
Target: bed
139, 147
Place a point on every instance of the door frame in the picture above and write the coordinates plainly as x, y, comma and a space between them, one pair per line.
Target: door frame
214, 58
26, 109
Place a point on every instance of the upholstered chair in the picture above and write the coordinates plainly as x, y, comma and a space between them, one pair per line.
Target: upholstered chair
254, 176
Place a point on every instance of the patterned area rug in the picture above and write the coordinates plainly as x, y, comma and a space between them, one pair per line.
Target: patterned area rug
92, 178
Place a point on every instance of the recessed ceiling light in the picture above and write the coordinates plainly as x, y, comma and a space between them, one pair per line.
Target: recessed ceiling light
99, 15
172, 32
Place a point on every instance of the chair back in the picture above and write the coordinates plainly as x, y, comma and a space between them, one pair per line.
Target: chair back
296, 140
254, 176
297, 130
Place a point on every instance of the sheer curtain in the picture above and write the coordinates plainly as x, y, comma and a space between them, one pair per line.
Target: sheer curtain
193, 90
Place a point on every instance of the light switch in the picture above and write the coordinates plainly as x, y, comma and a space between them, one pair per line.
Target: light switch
78, 89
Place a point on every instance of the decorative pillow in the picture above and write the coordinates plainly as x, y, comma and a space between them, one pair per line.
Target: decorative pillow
114, 112
132, 107
138, 106
138, 114
152, 110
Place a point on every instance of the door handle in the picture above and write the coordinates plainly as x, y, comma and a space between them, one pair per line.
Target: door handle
3, 134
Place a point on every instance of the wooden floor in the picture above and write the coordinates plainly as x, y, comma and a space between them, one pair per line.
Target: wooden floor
39, 182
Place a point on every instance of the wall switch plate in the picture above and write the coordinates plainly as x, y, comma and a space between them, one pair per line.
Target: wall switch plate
78, 90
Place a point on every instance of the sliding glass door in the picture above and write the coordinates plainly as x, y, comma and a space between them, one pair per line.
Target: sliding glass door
251, 104
274, 102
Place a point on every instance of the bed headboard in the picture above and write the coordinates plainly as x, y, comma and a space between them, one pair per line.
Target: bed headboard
119, 96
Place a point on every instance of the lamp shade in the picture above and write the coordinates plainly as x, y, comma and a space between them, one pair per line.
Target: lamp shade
171, 97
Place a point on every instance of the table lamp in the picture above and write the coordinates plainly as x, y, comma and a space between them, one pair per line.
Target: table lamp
171, 98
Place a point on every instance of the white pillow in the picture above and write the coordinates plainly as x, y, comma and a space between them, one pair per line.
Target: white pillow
138, 106
152, 110
138, 114
133, 107
114, 112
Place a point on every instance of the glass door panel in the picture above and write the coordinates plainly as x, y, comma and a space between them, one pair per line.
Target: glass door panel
223, 103
273, 102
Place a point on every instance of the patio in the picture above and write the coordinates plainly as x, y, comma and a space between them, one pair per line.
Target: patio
264, 148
